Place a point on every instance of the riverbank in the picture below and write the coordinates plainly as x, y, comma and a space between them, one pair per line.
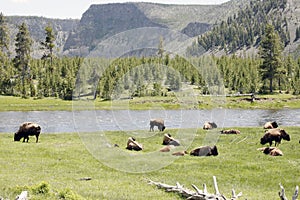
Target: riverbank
279, 101
61, 165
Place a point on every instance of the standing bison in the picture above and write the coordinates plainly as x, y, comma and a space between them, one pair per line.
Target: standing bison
205, 151
157, 122
270, 125
276, 135
209, 125
27, 129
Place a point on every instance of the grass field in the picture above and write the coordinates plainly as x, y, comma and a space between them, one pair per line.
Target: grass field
9, 103
52, 168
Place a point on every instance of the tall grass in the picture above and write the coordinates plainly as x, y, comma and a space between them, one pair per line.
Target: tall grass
59, 161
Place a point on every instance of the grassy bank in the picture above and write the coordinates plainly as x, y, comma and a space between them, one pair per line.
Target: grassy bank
8, 103
55, 165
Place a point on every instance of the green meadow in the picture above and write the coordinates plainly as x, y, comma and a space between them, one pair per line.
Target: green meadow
59, 165
278, 101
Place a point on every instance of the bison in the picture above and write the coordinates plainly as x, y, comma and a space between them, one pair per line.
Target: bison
205, 151
209, 125
179, 153
276, 135
270, 125
230, 131
132, 144
166, 148
27, 129
157, 122
169, 140
272, 151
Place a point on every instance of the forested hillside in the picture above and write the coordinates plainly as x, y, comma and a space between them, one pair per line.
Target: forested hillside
36, 26
265, 25
245, 29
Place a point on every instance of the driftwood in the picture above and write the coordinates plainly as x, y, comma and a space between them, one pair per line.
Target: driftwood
197, 194
282, 193
22, 196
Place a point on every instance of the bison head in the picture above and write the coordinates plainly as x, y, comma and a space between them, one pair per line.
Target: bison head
284, 135
274, 124
17, 137
263, 140
163, 128
214, 151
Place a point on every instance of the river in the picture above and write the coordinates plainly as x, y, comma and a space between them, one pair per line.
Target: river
103, 120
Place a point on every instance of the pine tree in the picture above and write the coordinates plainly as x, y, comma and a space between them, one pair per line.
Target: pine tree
297, 33
48, 45
21, 61
270, 52
4, 35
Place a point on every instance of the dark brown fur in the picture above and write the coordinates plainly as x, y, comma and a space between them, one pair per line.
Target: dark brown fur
272, 151
209, 125
132, 144
27, 129
169, 140
157, 122
205, 151
276, 135
270, 125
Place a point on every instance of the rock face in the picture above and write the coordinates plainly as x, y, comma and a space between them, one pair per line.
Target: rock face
36, 27
196, 28
102, 21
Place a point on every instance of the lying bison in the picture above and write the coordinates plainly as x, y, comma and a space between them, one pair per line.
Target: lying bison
205, 151
157, 122
270, 125
276, 135
230, 131
272, 151
209, 125
132, 144
27, 129
169, 140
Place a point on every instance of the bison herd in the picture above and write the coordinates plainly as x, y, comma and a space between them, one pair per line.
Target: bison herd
272, 133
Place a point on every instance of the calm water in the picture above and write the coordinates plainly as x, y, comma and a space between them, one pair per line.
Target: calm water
88, 121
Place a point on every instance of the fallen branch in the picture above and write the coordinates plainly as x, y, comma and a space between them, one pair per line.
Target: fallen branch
22, 196
282, 193
197, 194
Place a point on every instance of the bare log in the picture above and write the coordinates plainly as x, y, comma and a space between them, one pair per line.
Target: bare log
197, 194
282, 193
22, 196
295, 196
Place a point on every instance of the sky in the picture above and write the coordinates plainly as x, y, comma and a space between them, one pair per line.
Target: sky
66, 9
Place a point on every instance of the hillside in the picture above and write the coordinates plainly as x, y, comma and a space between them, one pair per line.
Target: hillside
242, 32
36, 26
232, 27
105, 20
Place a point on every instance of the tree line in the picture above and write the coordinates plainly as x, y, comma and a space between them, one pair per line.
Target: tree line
246, 28
160, 75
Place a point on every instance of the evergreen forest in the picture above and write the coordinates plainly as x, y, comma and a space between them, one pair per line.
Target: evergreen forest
162, 74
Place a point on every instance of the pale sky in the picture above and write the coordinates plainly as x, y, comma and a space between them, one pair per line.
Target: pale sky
65, 9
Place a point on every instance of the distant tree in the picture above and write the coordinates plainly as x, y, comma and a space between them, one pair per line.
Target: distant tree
21, 61
161, 48
4, 35
270, 51
48, 45
297, 33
